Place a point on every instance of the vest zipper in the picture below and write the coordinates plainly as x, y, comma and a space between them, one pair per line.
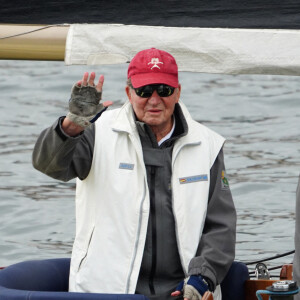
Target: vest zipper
136, 243
153, 223
174, 157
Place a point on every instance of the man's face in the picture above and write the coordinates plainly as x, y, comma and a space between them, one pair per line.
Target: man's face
155, 111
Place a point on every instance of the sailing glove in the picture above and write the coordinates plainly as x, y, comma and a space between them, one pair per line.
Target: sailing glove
193, 287
84, 106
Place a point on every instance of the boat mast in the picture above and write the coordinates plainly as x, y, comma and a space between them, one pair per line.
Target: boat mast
33, 42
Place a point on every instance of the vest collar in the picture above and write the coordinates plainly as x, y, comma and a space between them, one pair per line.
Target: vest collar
125, 122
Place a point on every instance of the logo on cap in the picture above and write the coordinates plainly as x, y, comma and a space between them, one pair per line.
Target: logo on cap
155, 61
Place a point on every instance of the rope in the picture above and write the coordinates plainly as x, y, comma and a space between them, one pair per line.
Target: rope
281, 293
31, 31
270, 258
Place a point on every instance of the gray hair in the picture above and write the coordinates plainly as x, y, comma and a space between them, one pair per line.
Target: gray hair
128, 82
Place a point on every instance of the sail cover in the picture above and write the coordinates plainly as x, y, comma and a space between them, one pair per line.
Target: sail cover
234, 37
208, 50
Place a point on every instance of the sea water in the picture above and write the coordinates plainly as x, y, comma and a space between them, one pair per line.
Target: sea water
257, 114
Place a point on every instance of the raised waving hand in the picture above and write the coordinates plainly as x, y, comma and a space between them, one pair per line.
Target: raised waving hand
84, 105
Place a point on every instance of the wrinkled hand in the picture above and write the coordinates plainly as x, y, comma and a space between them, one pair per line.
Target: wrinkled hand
192, 288
84, 105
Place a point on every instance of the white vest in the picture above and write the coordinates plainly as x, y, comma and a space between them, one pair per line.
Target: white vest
112, 203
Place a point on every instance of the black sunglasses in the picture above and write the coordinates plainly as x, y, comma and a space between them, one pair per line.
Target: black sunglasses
162, 90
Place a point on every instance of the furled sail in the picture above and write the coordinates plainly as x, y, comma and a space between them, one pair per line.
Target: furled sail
208, 50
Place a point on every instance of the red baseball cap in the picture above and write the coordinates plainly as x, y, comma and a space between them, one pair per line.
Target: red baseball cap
153, 66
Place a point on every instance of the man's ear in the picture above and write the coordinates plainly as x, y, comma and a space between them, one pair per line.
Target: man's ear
128, 92
178, 92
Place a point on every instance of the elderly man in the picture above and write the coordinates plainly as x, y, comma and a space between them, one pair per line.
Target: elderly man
154, 211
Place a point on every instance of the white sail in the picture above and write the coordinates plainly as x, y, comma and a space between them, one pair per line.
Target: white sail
207, 50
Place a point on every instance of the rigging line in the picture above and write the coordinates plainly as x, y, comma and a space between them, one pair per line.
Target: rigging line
271, 276
270, 258
271, 269
34, 30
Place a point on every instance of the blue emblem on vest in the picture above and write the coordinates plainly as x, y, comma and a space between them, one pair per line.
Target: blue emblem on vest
126, 166
191, 179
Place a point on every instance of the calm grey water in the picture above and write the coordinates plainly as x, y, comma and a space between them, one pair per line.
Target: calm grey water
258, 115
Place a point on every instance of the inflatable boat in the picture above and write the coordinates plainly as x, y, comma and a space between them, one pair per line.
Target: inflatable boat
49, 280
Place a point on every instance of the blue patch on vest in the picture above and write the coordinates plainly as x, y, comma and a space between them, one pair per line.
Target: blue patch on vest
126, 166
191, 179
